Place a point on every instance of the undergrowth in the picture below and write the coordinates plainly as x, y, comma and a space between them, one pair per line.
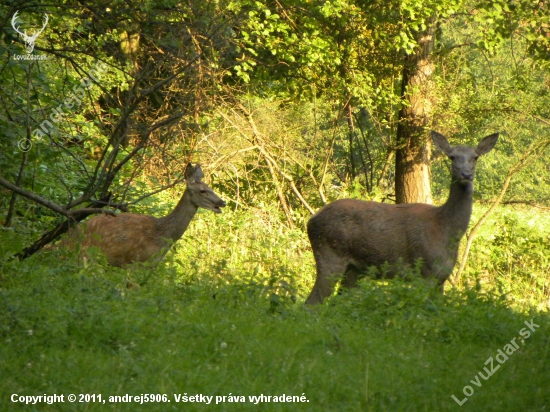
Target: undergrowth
223, 315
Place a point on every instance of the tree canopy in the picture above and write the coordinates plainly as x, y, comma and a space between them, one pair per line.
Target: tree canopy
298, 102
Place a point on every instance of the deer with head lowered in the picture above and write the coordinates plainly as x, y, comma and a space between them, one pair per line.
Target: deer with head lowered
128, 237
348, 236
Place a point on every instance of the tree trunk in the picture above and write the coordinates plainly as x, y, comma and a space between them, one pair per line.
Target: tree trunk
348, 113
412, 158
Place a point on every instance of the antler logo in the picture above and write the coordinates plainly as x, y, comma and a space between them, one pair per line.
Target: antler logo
29, 40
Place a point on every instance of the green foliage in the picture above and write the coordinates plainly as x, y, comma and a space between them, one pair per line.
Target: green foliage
256, 255
511, 254
459, 316
338, 49
500, 20
477, 94
260, 87
224, 314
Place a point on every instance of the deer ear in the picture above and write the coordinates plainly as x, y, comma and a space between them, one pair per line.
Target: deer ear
441, 142
189, 173
487, 144
198, 173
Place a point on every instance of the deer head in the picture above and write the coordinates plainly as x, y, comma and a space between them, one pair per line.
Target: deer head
200, 194
29, 40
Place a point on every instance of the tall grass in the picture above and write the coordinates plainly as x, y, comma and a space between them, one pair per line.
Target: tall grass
223, 315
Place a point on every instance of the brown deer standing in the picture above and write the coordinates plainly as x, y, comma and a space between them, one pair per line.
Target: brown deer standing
347, 236
129, 237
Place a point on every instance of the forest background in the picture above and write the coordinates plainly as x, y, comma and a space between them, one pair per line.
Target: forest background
287, 105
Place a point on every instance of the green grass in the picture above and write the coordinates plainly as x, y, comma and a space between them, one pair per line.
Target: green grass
224, 316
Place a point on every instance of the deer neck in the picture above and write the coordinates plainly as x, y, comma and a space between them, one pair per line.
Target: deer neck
456, 211
175, 224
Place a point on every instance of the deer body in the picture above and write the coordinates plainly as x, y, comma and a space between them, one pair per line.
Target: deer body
129, 237
348, 236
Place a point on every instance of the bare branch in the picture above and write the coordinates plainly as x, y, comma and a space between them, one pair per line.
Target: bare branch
35, 198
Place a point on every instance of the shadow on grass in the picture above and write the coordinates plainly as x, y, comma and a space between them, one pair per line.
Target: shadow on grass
384, 346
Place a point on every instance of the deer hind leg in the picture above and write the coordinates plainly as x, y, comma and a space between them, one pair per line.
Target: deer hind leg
330, 268
351, 276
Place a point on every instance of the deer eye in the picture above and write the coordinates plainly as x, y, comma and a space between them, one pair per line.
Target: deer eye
203, 191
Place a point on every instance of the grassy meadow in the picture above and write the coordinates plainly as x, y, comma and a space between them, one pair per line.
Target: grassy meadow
286, 105
223, 317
